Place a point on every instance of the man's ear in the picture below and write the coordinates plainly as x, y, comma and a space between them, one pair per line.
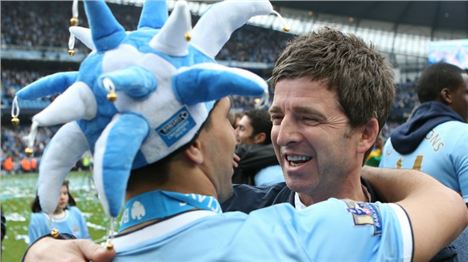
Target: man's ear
194, 152
446, 96
369, 133
260, 138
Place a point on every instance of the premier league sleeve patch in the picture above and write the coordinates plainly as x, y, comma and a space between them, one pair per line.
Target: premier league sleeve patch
365, 214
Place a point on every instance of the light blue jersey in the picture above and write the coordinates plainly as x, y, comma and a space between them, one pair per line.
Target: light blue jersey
268, 176
73, 223
443, 154
333, 230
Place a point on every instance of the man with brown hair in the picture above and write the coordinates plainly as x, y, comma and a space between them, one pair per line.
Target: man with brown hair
332, 96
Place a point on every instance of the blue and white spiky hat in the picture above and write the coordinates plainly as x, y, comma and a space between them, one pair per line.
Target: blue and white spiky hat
164, 87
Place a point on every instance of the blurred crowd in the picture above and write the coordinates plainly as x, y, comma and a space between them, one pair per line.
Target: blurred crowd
254, 44
405, 100
13, 158
26, 23
12, 155
13, 80
248, 44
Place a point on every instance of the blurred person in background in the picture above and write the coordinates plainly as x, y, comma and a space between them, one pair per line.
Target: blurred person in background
234, 118
8, 164
26, 166
374, 157
258, 164
435, 137
67, 218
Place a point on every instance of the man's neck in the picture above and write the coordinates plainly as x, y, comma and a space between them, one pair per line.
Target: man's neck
351, 189
181, 179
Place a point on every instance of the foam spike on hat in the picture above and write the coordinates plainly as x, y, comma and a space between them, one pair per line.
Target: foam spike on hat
215, 27
209, 81
136, 82
84, 35
109, 147
64, 150
166, 88
48, 85
107, 33
153, 15
77, 102
170, 39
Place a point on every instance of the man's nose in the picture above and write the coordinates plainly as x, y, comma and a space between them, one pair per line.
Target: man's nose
288, 132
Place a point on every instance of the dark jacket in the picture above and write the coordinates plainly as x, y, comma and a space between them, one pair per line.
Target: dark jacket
248, 198
407, 137
253, 158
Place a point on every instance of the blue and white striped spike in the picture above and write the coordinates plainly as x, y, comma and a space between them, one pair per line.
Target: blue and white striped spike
215, 27
106, 31
209, 81
48, 85
55, 164
171, 39
84, 35
154, 14
77, 102
112, 164
135, 81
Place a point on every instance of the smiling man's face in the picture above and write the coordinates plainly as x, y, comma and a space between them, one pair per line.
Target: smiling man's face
313, 140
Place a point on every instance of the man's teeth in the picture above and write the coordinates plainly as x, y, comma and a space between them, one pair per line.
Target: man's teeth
296, 160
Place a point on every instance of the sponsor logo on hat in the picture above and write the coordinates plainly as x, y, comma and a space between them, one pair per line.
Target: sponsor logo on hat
176, 127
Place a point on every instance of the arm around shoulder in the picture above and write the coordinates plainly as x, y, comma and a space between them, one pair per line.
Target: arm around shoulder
50, 249
437, 213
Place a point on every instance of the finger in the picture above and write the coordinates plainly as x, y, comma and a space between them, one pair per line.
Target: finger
235, 160
94, 252
236, 157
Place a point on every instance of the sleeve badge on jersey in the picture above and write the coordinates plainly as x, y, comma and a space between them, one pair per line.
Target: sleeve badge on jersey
365, 214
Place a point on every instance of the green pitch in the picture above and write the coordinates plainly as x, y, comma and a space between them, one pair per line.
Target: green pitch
18, 191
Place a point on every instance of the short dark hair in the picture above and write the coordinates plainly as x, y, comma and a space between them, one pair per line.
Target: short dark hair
437, 77
261, 122
361, 77
36, 206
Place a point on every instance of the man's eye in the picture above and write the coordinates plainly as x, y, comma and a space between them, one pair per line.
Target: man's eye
311, 120
276, 119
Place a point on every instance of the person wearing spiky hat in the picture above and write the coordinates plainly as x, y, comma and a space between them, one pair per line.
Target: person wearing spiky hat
165, 143
138, 96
